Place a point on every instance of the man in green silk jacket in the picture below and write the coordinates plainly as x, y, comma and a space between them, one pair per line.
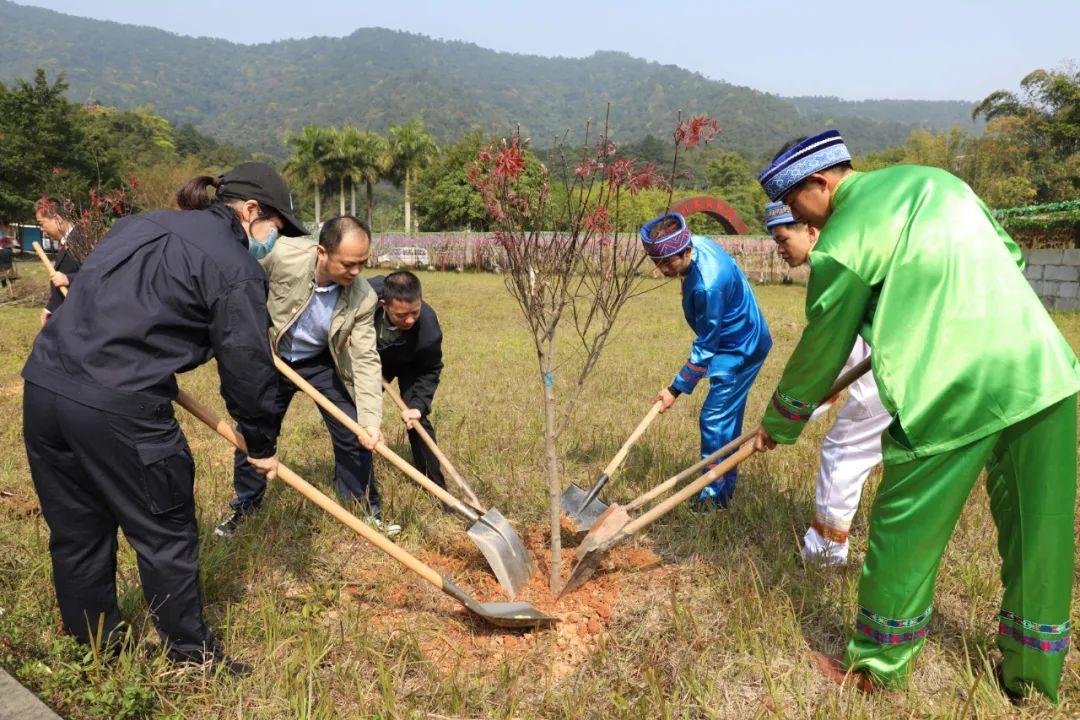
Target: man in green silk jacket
976, 375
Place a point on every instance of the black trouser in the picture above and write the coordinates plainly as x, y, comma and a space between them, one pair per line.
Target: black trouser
95, 471
352, 461
423, 459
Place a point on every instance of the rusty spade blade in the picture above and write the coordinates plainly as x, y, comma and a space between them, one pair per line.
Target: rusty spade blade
589, 562
614, 519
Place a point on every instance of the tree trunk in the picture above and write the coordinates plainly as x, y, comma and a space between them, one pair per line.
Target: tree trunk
370, 202
408, 208
352, 199
341, 194
551, 453
318, 205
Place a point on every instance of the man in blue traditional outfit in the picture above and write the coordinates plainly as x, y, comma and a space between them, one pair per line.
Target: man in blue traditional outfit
732, 337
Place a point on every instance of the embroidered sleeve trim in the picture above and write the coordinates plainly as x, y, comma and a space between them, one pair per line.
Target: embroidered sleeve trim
800, 412
792, 402
694, 369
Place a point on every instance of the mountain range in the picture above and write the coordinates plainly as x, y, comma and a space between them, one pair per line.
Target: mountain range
256, 95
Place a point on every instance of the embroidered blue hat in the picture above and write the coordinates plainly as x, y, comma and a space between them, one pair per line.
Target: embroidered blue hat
814, 154
670, 244
777, 213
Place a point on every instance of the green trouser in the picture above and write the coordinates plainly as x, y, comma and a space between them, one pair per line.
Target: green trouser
1031, 481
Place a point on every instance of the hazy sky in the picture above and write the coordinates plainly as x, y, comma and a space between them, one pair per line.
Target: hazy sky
942, 49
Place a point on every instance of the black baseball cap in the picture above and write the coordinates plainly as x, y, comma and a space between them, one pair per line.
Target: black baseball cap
259, 181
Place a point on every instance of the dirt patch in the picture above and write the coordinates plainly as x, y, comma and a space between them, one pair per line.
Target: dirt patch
568, 526
463, 642
20, 506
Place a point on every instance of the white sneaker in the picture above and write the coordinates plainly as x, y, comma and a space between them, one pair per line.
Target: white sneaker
388, 529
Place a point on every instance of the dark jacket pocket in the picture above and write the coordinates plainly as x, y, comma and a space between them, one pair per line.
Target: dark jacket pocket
168, 474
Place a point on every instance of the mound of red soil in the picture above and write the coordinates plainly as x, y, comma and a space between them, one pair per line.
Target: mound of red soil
584, 614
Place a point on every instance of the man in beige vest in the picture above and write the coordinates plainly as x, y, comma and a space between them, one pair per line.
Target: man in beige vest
322, 324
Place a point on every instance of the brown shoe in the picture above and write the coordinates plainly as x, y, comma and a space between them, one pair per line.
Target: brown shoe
832, 669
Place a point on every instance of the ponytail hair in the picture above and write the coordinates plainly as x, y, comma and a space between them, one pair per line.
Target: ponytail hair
195, 193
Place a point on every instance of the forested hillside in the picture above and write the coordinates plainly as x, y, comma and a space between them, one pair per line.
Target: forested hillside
257, 95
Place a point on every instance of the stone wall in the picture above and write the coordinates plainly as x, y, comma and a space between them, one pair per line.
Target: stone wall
1055, 276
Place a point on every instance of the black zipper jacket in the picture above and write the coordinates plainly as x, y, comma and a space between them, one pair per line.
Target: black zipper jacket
161, 294
416, 359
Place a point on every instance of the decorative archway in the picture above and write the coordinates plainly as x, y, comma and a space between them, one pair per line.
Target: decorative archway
715, 208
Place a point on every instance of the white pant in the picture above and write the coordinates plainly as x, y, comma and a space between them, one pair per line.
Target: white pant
849, 452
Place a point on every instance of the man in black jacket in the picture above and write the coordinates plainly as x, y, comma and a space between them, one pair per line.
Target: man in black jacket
161, 294
54, 223
409, 340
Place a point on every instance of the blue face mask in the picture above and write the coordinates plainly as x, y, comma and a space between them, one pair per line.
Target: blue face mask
259, 250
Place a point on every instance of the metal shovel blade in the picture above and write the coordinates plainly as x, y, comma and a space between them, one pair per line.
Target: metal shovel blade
606, 527
577, 506
587, 566
503, 614
504, 550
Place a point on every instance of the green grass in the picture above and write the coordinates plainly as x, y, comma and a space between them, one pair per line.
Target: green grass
720, 629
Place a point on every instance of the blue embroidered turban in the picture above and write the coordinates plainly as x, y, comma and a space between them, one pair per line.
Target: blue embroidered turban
812, 155
777, 213
671, 243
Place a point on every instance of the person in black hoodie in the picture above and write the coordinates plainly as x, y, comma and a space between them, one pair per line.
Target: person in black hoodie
409, 341
162, 293
50, 216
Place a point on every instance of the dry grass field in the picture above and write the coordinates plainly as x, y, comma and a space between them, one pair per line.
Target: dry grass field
704, 616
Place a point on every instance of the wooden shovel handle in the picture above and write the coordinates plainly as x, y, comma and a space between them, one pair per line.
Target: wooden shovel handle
430, 442
395, 459
691, 471
313, 494
47, 263
686, 492
841, 382
616, 461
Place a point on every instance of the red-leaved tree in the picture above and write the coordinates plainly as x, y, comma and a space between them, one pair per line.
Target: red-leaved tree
565, 257
91, 212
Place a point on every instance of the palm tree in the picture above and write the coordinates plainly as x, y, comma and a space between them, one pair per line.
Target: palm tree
370, 160
308, 164
413, 147
338, 161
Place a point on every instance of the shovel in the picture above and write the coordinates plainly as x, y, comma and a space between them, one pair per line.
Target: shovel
615, 517
490, 531
582, 506
617, 526
503, 614
430, 442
